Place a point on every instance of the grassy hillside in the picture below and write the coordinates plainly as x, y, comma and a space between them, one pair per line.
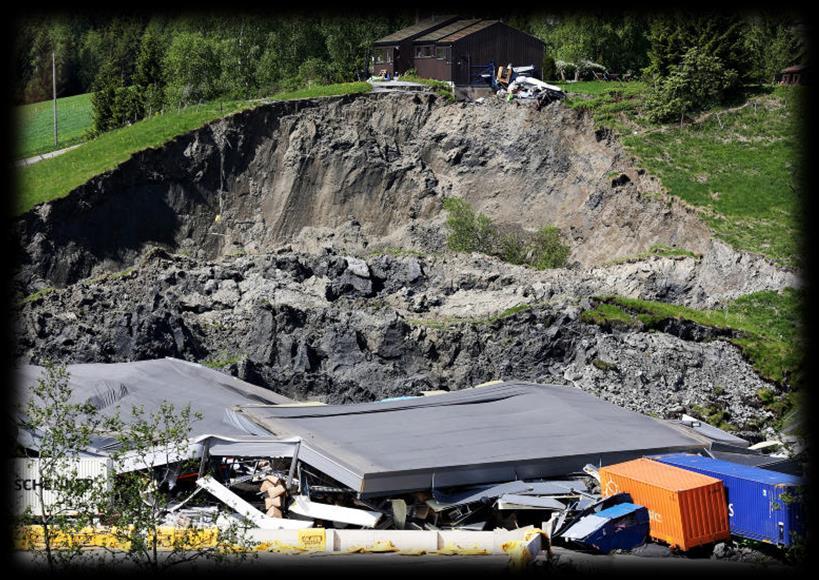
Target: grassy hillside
53, 178
766, 326
737, 165
35, 124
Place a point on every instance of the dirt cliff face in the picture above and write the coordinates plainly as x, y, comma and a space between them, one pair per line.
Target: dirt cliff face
266, 241
303, 172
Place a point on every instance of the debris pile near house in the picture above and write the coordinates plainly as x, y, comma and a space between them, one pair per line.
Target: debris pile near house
502, 456
515, 83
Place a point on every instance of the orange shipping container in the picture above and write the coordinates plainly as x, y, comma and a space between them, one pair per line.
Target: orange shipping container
686, 509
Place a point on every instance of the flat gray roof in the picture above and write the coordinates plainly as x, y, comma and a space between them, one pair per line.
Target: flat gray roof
485, 434
148, 383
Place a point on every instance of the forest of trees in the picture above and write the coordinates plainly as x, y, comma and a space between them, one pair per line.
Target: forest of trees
139, 65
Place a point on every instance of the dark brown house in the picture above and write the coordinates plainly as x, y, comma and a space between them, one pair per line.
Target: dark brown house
393, 54
794, 75
459, 50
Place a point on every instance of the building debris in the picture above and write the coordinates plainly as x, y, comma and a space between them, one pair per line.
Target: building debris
526, 87
302, 505
511, 501
620, 527
246, 510
281, 466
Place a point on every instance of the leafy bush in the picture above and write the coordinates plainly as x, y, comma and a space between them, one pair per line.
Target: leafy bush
549, 249
191, 66
468, 231
314, 71
587, 68
475, 232
698, 82
549, 71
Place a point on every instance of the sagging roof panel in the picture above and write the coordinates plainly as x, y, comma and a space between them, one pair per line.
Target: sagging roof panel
416, 29
148, 383
480, 435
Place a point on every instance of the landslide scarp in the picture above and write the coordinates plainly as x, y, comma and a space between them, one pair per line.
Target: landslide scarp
301, 246
354, 173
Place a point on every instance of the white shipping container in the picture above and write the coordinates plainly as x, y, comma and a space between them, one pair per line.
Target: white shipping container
26, 481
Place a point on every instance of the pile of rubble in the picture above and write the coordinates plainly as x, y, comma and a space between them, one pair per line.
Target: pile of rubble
515, 85
464, 468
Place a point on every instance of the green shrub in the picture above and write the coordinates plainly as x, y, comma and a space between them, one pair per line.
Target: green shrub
469, 231
314, 71
698, 82
565, 70
549, 249
549, 68
475, 232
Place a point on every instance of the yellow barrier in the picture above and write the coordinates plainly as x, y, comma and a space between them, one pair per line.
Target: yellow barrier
456, 550
380, 546
32, 537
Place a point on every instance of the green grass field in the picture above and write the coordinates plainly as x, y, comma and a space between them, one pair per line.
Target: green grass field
736, 164
35, 125
53, 178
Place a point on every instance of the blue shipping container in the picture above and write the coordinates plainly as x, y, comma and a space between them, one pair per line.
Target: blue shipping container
762, 504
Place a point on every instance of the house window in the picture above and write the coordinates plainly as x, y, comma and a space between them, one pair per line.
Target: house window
425, 51
443, 52
383, 55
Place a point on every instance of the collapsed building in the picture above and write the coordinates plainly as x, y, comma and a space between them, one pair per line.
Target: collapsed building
503, 455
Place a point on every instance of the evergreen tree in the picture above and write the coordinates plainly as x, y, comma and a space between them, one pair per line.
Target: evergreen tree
148, 76
717, 35
103, 99
773, 43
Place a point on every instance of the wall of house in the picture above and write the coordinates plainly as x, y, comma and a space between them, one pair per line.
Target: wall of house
389, 67
434, 67
500, 44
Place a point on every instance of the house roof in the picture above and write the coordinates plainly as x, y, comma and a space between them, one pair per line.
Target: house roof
479, 26
463, 33
410, 32
794, 68
484, 434
120, 386
447, 30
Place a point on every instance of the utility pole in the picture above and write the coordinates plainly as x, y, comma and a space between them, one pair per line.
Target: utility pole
54, 91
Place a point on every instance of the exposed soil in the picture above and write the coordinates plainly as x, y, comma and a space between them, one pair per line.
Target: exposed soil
306, 172
266, 241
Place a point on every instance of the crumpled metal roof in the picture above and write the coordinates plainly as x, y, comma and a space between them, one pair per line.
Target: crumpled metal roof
485, 434
148, 383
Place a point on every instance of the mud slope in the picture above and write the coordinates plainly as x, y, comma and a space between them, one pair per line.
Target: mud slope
355, 172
